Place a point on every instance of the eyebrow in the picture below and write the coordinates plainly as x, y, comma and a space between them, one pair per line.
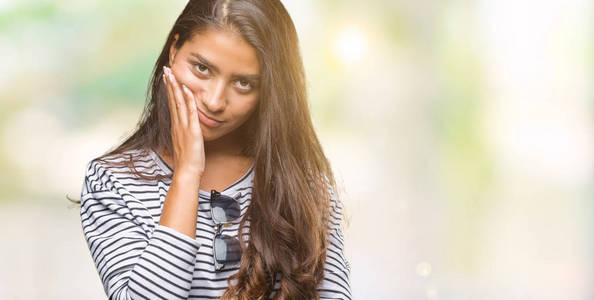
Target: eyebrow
216, 69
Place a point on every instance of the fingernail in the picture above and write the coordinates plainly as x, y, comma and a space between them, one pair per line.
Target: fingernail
185, 88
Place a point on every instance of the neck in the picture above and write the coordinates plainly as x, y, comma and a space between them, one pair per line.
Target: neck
227, 145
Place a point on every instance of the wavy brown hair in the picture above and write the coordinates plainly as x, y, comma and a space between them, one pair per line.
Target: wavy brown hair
289, 212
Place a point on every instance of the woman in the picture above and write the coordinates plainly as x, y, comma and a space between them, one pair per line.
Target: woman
226, 113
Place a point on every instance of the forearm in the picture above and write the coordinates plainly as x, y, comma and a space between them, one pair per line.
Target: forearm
132, 262
181, 204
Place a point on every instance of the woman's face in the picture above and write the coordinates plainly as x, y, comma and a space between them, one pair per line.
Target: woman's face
222, 71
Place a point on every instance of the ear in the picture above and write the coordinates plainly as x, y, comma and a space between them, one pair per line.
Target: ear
173, 49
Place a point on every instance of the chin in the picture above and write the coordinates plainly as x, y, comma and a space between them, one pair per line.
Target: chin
209, 134
207, 138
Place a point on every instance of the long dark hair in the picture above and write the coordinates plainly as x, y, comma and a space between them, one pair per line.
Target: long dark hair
289, 212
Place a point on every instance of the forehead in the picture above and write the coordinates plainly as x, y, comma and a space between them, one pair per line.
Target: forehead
225, 49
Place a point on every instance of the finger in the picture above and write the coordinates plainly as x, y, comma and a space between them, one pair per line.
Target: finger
171, 99
173, 112
182, 113
193, 121
170, 102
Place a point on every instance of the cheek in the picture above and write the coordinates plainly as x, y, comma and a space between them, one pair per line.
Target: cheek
241, 108
187, 77
197, 86
249, 104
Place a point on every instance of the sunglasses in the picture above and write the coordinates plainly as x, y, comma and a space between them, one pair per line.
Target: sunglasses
224, 210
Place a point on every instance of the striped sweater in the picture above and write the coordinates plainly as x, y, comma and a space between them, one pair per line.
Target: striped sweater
137, 258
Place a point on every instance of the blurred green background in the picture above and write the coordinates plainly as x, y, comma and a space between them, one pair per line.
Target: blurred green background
461, 134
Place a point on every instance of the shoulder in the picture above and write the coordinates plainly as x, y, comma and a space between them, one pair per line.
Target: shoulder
141, 160
138, 157
105, 171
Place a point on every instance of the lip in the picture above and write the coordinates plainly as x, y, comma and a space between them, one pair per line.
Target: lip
208, 121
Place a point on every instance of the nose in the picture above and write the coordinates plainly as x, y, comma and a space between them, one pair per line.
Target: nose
215, 96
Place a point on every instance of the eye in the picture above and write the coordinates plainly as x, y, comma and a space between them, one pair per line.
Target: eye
202, 69
243, 84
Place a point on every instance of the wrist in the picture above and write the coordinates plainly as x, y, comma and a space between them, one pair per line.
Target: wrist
187, 176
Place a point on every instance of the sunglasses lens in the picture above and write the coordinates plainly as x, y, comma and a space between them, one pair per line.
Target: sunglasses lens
225, 209
227, 249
